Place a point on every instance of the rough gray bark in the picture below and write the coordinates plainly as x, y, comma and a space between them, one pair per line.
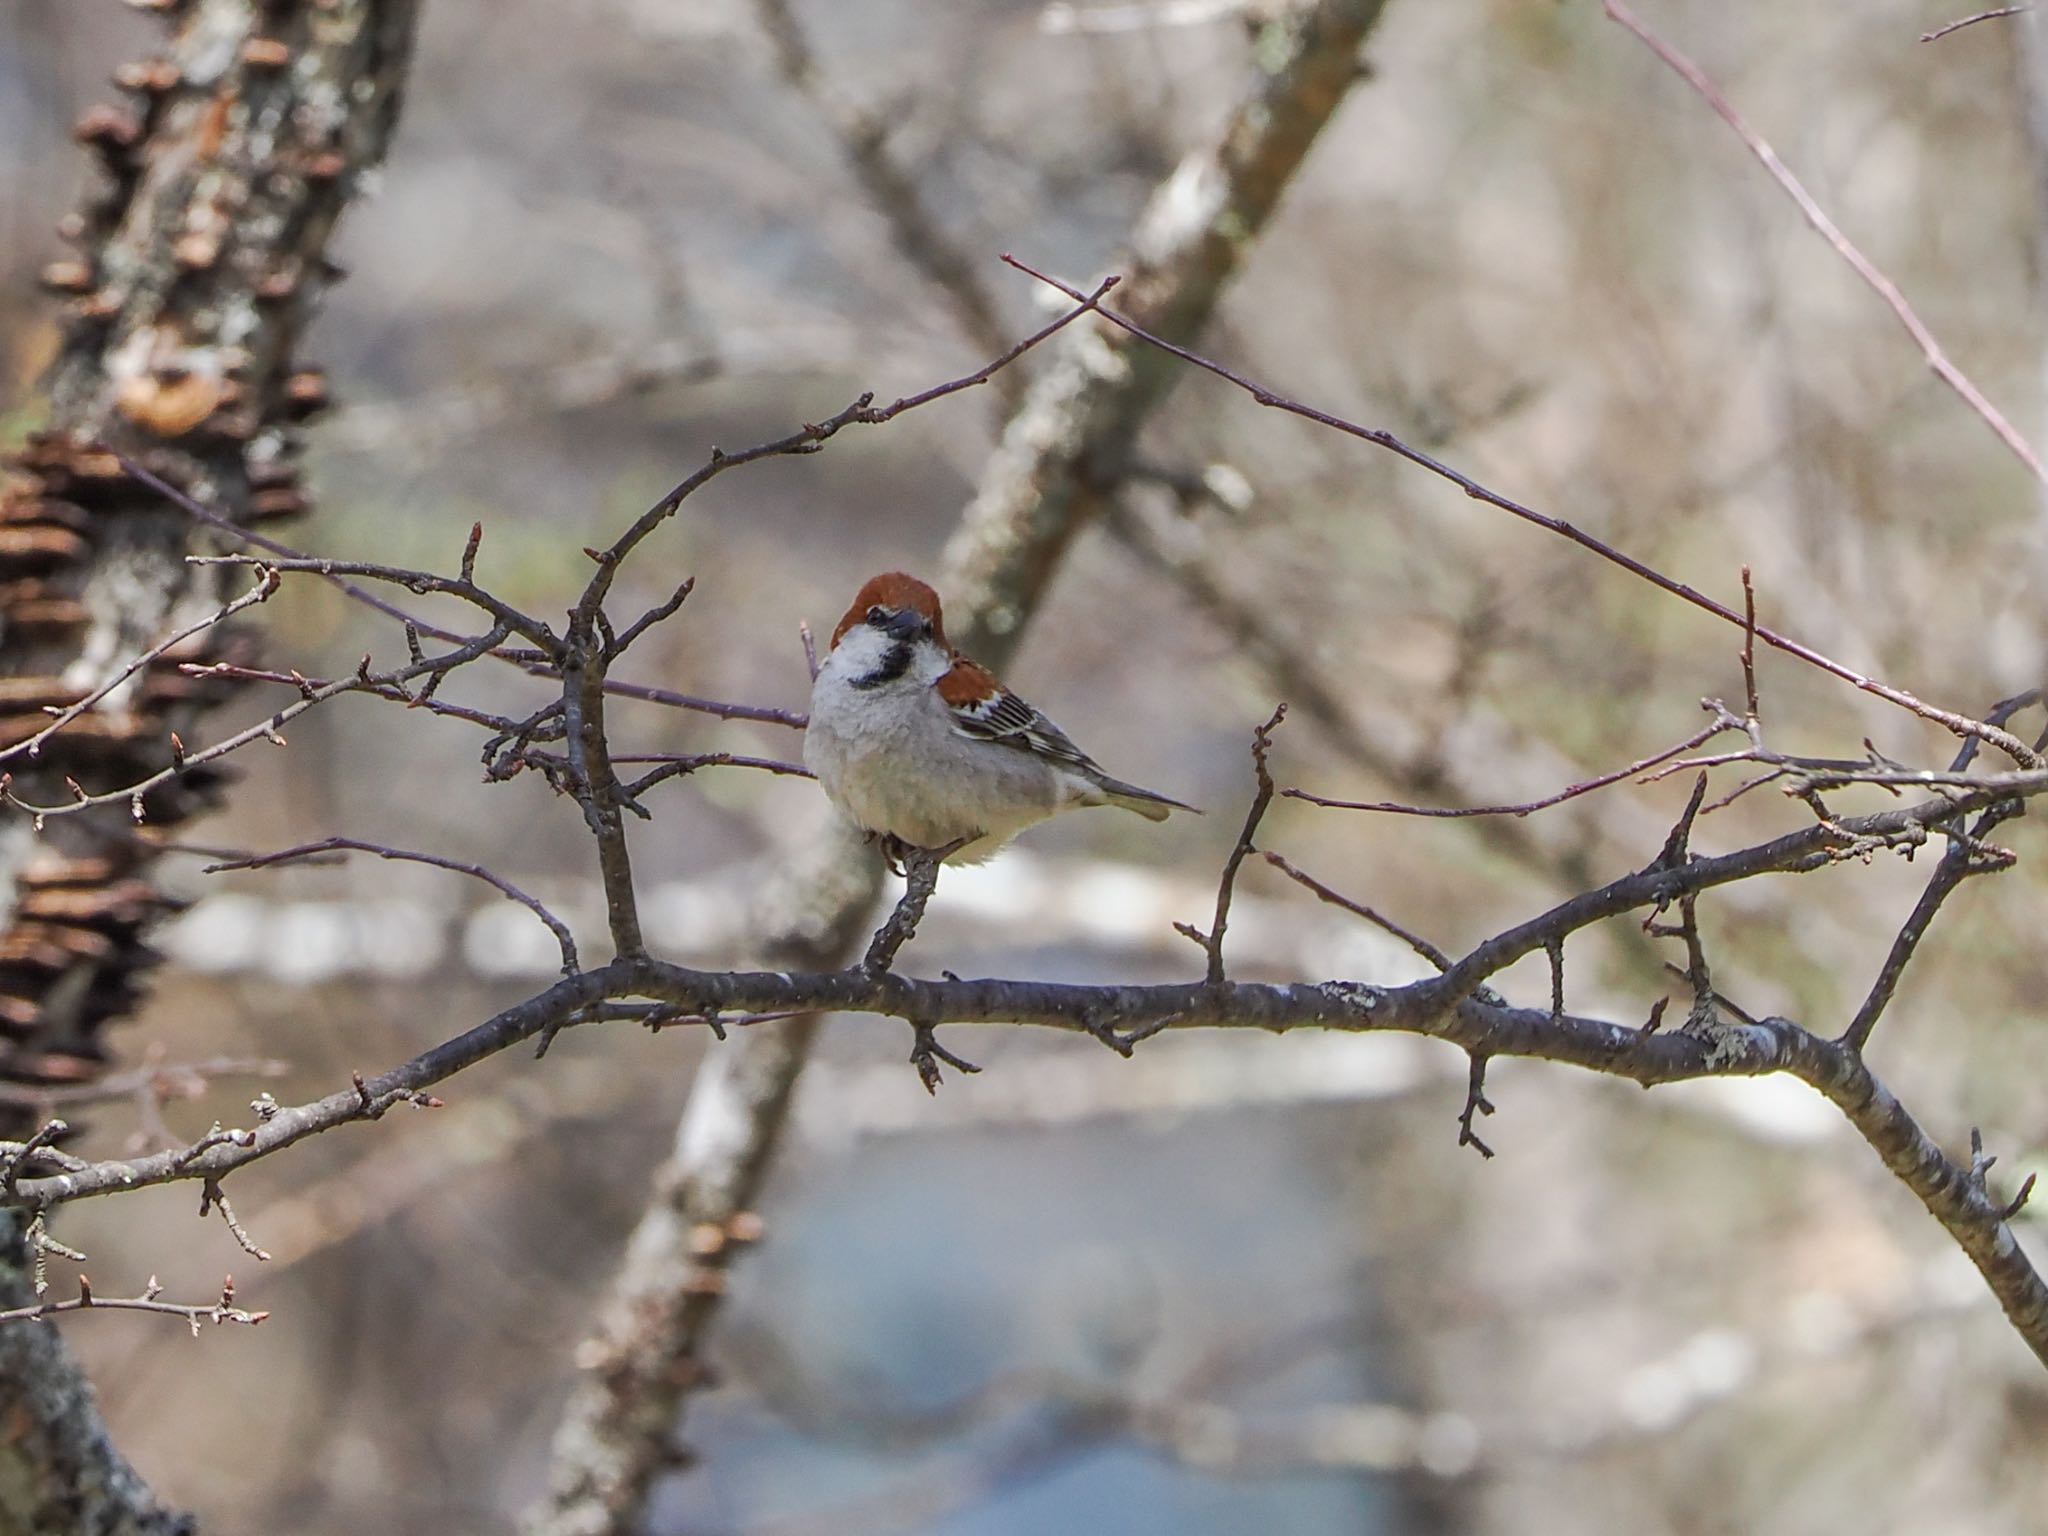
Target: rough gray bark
1066, 449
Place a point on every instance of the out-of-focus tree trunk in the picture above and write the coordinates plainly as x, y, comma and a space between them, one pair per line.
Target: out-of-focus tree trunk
1062, 459
198, 255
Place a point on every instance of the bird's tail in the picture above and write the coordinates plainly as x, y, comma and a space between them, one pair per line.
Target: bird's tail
1151, 806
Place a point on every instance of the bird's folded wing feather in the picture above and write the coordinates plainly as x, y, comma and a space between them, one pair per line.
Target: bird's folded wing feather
987, 711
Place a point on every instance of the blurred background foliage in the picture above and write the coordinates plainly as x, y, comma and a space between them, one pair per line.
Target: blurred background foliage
1232, 1285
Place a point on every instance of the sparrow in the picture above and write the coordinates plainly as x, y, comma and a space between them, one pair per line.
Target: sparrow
922, 747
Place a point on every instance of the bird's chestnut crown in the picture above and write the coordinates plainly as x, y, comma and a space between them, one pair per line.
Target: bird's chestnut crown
897, 603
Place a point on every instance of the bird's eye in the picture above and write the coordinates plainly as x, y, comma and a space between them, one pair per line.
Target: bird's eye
878, 614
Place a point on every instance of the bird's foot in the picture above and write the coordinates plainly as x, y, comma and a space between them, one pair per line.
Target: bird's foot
893, 849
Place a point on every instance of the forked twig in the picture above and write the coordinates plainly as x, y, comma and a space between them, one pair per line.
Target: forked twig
1212, 941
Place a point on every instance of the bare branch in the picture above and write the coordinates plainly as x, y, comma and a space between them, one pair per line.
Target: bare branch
1473, 1023
1960, 725
861, 412
264, 730
1965, 857
1815, 215
1212, 941
1414, 941
650, 618
222, 1311
1970, 21
183, 1079
1527, 807
327, 845
895, 192
266, 585
921, 878
679, 765
536, 667
422, 583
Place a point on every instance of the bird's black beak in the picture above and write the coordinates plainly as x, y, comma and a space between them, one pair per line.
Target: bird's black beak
910, 625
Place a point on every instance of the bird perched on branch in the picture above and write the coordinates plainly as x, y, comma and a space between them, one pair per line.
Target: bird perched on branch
923, 748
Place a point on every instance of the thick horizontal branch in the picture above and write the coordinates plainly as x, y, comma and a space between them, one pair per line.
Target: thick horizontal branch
1084, 1009
1954, 1193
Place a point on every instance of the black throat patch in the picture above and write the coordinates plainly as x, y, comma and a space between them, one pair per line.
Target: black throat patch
894, 663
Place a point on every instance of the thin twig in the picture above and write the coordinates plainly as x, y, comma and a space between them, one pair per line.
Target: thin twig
267, 582
184, 1079
1476, 1104
897, 194
504, 887
1262, 796
1524, 808
862, 411
651, 617
264, 730
211, 1198
1414, 941
193, 508
221, 1311
675, 765
18, 1154
1960, 725
1816, 216
1958, 864
1970, 21
1752, 711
